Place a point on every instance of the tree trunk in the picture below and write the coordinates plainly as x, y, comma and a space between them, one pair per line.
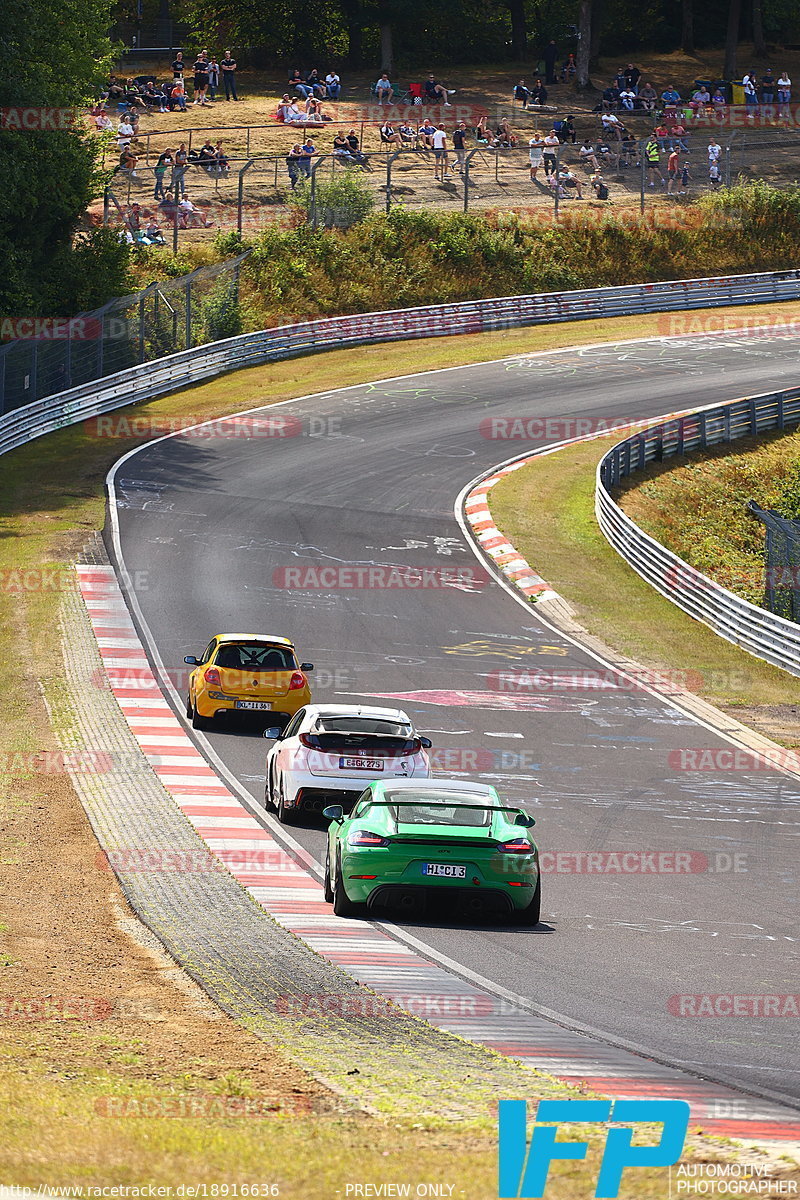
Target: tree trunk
732, 39
354, 21
597, 31
387, 49
687, 26
519, 29
582, 80
759, 44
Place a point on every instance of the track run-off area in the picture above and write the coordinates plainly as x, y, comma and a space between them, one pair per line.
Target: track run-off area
279, 534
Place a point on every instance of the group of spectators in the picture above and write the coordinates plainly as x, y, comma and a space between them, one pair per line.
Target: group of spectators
209, 76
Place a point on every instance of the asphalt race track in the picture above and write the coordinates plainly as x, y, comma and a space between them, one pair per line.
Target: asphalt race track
371, 478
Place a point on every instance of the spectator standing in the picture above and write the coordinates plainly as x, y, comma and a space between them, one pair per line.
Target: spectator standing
550, 146
673, 171
213, 78
686, 175
632, 76
384, 90
308, 151
439, 140
750, 89
536, 150
714, 151
768, 87
180, 166
715, 176
293, 164
200, 69
178, 66
652, 158
550, 56
784, 88
228, 66
459, 145
159, 171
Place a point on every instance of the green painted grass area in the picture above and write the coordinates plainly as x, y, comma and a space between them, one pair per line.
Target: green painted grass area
547, 511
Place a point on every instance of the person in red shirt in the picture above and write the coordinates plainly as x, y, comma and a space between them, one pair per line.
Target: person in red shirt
673, 171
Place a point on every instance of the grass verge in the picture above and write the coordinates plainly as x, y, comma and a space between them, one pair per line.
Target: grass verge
546, 509
61, 938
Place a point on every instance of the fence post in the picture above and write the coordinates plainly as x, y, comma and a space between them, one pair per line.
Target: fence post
240, 197
141, 327
105, 205
753, 417
727, 166
467, 162
389, 162
555, 189
781, 416
188, 313
175, 223
642, 173
312, 208
247, 150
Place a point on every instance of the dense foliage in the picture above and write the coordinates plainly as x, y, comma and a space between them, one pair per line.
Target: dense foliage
53, 55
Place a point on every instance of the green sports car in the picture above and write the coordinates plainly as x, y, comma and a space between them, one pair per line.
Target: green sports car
411, 841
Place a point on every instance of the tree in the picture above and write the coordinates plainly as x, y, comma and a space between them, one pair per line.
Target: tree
732, 38
54, 55
759, 42
582, 80
687, 26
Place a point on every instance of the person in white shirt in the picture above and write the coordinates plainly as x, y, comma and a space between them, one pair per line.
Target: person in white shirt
551, 145
334, 85
627, 99
784, 88
125, 132
103, 121
190, 215
714, 151
384, 89
439, 140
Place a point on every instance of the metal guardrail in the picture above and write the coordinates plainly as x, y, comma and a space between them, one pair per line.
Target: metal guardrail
764, 634
203, 362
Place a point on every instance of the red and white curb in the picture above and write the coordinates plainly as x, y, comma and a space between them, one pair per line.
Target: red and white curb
293, 897
496, 544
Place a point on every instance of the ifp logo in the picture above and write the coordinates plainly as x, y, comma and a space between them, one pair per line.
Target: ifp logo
523, 1170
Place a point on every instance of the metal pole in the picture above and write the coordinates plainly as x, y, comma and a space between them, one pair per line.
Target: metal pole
105, 206
312, 207
467, 162
727, 166
188, 306
247, 152
240, 199
175, 224
555, 190
389, 162
141, 326
643, 173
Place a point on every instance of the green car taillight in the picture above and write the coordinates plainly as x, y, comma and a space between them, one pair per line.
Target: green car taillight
363, 837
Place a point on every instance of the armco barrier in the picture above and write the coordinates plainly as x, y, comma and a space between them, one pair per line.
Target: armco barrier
762, 633
142, 382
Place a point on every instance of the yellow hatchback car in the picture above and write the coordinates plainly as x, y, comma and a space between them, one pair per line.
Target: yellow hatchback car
246, 673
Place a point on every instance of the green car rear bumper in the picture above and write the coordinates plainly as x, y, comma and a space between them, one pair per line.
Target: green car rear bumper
376, 876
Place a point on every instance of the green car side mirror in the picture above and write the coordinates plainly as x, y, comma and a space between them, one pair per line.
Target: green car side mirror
524, 820
334, 812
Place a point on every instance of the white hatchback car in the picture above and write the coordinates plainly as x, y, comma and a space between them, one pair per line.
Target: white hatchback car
328, 753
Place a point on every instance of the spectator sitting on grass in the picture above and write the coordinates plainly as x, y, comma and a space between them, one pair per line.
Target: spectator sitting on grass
127, 163
103, 122
115, 89
611, 97
292, 114
299, 85
435, 92
223, 165
133, 96
569, 69
599, 187
333, 85
152, 234
521, 92
207, 157
168, 208
125, 131
568, 179
341, 147
314, 114
504, 134
192, 217
384, 90
285, 104
538, 93
315, 83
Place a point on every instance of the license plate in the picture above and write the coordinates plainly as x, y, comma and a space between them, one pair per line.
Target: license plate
360, 764
449, 870
258, 705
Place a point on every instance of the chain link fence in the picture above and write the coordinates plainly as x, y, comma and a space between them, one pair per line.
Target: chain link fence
782, 567
164, 318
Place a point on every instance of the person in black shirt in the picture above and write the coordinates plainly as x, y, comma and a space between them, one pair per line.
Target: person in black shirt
200, 78
538, 93
459, 145
179, 66
521, 92
632, 77
315, 83
228, 65
356, 151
